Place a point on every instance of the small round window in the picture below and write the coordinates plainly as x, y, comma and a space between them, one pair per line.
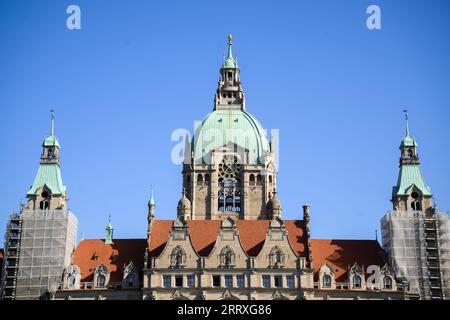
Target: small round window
44, 194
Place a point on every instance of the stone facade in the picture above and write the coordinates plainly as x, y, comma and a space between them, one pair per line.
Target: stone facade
229, 240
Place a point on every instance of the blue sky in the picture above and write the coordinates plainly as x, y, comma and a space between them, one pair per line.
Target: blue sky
137, 70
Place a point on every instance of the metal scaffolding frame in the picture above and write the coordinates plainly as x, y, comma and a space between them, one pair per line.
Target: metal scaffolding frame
418, 246
47, 240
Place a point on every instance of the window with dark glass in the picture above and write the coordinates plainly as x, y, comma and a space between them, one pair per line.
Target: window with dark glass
191, 281
216, 281
290, 282
229, 185
240, 279
278, 281
326, 281
356, 282
167, 281
178, 281
266, 281
228, 281
130, 279
387, 282
101, 281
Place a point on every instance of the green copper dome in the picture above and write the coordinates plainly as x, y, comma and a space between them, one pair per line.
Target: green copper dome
221, 127
229, 63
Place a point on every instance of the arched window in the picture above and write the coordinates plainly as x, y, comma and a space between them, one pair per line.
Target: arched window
356, 282
101, 281
130, 279
326, 281
259, 178
410, 153
416, 205
207, 177
387, 282
44, 205
270, 179
229, 185
199, 178
227, 257
252, 178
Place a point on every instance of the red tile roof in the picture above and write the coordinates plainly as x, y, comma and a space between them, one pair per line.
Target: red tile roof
91, 253
252, 234
342, 254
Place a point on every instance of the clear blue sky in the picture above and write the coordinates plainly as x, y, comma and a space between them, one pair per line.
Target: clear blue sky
137, 70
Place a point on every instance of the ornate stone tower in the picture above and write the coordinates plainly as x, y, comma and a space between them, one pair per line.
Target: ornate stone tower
48, 230
411, 191
48, 190
229, 168
416, 236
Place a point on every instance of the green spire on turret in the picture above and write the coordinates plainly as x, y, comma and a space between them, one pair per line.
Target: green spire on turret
406, 119
109, 232
151, 202
410, 174
407, 140
230, 62
51, 140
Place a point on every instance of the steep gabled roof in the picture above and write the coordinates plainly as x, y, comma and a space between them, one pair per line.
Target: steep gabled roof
48, 175
252, 234
91, 253
409, 175
342, 254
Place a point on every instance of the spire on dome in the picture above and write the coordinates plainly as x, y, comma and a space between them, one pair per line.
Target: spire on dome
230, 62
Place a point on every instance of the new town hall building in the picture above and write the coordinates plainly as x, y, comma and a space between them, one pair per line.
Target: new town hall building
229, 239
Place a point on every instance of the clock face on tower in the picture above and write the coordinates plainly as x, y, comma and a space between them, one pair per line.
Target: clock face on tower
229, 184
229, 168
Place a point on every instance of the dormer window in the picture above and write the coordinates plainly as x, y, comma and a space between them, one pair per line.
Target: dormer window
326, 281
356, 282
387, 281
51, 153
130, 280
101, 281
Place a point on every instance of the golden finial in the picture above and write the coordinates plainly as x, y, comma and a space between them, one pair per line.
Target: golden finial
230, 38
